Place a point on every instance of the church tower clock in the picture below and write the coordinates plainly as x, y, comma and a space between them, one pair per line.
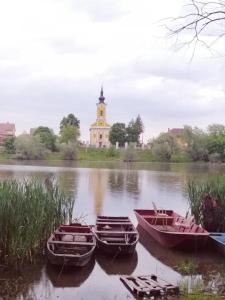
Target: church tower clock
99, 131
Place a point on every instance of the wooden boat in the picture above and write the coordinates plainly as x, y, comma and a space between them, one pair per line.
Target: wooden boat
71, 245
172, 230
218, 240
115, 235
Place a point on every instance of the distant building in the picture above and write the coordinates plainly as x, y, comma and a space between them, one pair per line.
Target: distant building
177, 133
7, 130
99, 131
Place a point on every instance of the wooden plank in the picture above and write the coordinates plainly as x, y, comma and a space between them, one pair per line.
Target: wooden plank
113, 219
113, 223
72, 243
115, 232
149, 285
72, 233
111, 239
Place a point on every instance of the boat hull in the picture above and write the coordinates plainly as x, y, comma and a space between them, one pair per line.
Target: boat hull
65, 260
119, 249
183, 240
218, 241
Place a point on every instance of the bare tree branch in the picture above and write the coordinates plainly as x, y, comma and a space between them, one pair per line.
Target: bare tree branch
200, 24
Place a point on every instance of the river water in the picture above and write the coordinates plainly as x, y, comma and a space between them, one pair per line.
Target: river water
116, 189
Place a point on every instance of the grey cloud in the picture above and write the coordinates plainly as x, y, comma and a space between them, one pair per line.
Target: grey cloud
62, 45
98, 10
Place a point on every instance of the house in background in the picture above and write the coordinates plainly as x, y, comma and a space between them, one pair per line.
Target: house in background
7, 130
178, 134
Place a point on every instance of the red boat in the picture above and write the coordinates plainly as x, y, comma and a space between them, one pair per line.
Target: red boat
172, 230
71, 245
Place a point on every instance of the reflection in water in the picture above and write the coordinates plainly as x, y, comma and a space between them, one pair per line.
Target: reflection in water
128, 181
69, 277
98, 184
121, 265
116, 181
207, 260
132, 183
68, 182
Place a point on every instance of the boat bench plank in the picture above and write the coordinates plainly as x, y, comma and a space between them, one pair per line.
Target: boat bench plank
72, 233
110, 232
113, 220
72, 243
111, 239
113, 223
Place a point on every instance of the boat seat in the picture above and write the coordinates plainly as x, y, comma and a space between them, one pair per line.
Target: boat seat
72, 243
114, 232
113, 223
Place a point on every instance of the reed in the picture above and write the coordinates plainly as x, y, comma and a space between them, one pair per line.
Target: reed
208, 192
29, 211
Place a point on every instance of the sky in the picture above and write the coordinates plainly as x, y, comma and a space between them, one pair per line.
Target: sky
56, 54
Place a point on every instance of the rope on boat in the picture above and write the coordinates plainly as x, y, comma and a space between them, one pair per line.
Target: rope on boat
119, 250
64, 263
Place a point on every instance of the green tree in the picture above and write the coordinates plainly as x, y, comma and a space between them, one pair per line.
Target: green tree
134, 130
69, 133
9, 145
118, 134
69, 151
196, 141
70, 120
216, 129
29, 147
216, 146
165, 146
47, 137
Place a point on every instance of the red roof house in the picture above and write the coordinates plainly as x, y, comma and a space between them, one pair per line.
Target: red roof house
6, 130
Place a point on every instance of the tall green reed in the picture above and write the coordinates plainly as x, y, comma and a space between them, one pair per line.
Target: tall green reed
29, 211
197, 190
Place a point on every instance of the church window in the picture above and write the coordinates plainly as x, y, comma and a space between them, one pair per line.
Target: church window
101, 113
100, 136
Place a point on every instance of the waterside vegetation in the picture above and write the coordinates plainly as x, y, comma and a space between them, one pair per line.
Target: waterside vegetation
184, 145
29, 211
207, 202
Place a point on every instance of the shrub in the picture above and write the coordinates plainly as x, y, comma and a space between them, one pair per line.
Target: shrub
29, 147
69, 151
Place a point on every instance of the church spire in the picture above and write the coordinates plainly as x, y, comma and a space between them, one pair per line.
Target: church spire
101, 98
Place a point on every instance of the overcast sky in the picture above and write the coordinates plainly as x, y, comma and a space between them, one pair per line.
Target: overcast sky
55, 54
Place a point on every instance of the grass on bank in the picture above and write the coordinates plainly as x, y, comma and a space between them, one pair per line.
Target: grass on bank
29, 211
107, 154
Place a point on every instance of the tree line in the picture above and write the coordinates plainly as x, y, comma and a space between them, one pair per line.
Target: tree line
42, 141
191, 144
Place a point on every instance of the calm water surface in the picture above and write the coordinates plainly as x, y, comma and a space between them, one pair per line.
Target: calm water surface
116, 189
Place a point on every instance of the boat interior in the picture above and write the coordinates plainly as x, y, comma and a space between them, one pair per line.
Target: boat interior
114, 230
74, 240
167, 220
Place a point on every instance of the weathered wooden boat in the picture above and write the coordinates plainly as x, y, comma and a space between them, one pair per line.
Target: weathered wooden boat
115, 235
218, 240
172, 230
71, 245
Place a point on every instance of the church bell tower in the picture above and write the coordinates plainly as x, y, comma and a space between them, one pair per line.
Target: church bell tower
99, 131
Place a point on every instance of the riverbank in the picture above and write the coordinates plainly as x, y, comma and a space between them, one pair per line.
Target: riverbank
104, 154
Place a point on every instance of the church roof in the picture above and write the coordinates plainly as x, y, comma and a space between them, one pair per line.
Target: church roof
101, 98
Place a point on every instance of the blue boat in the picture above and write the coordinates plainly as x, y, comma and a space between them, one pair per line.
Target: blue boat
218, 239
